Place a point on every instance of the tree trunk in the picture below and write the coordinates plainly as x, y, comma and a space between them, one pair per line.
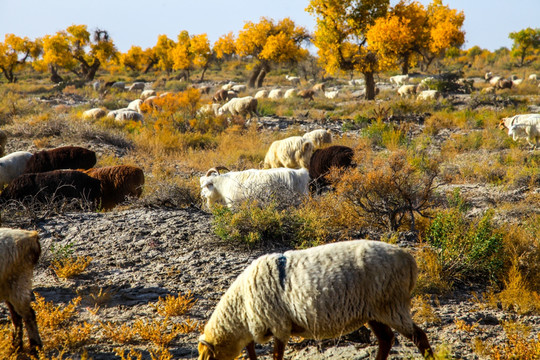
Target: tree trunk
370, 85
149, 66
254, 75
8, 73
262, 74
203, 72
405, 65
55, 78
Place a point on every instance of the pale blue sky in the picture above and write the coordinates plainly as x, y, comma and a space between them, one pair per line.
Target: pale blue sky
138, 22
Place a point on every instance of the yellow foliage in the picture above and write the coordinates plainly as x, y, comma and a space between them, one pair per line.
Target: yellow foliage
159, 332
174, 305
122, 334
70, 266
518, 345
53, 317
225, 45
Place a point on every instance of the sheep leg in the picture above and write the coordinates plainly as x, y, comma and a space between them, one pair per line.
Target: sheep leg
421, 341
16, 319
251, 351
385, 337
279, 349
32, 329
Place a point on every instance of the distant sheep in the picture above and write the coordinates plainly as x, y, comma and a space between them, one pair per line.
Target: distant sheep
527, 119
319, 87
526, 131
295, 80
517, 82
240, 107
239, 88
293, 152
494, 80
118, 183
207, 109
120, 85
318, 293
13, 165
290, 93
223, 95
319, 137
407, 90
429, 95
135, 105
306, 94
145, 94
52, 185
94, 114
533, 77
227, 86
261, 94
504, 84
275, 94
66, 157
3, 142
234, 187
331, 94
137, 86
19, 254
323, 160
125, 114
399, 79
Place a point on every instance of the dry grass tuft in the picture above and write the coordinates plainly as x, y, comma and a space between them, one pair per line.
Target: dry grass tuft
423, 312
174, 305
68, 267
121, 334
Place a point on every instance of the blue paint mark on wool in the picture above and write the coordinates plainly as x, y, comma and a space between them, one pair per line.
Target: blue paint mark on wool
282, 265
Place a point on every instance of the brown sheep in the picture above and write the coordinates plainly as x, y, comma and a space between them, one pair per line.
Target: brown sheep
118, 182
66, 157
504, 84
19, 253
220, 96
306, 94
323, 160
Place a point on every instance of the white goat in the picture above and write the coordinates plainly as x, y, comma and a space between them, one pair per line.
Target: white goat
530, 132
331, 94
407, 90
13, 165
318, 293
19, 253
234, 187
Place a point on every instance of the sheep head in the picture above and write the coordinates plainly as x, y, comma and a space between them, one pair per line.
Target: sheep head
209, 351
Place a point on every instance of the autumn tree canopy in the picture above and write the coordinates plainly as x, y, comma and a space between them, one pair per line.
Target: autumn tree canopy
139, 60
270, 43
225, 46
14, 52
191, 51
340, 36
525, 41
78, 51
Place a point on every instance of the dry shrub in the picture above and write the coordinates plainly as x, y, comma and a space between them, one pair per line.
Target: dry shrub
155, 354
68, 267
463, 326
423, 312
6, 349
159, 332
431, 278
174, 110
518, 345
119, 333
383, 190
174, 305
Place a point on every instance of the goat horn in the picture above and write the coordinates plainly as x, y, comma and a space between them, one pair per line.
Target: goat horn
210, 346
216, 169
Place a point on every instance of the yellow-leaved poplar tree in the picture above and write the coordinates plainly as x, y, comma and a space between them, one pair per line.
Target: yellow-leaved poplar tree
225, 46
162, 51
78, 51
340, 36
139, 60
190, 52
270, 43
14, 52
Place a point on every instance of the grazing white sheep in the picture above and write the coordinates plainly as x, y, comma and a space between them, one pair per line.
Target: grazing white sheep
399, 79
240, 106
533, 77
527, 119
318, 293
275, 94
234, 187
293, 152
3, 142
239, 88
120, 85
407, 90
227, 86
290, 93
331, 94
516, 82
125, 114
145, 94
429, 95
209, 109
319, 137
13, 165
295, 80
95, 113
19, 253
137, 86
261, 94
135, 105
494, 80
530, 132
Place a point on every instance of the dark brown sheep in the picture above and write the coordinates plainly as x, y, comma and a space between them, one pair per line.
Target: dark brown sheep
220, 96
52, 185
67, 157
117, 183
504, 84
323, 160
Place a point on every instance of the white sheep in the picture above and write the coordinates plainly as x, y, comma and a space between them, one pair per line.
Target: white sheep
290, 93
239, 88
207, 109
94, 114
517, 82
531, 132
318, 293
19, 253
399, 79
275, 94
120, 85
3, 142
137, 86
240, 106
429, 95
261, 94
234, 187
295, 80
527, 119
135, 105
319, 137
533, 77
407, 90
125, 114
293, 152
13, 165
494, 80
331, 94
227, 86
145, 94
